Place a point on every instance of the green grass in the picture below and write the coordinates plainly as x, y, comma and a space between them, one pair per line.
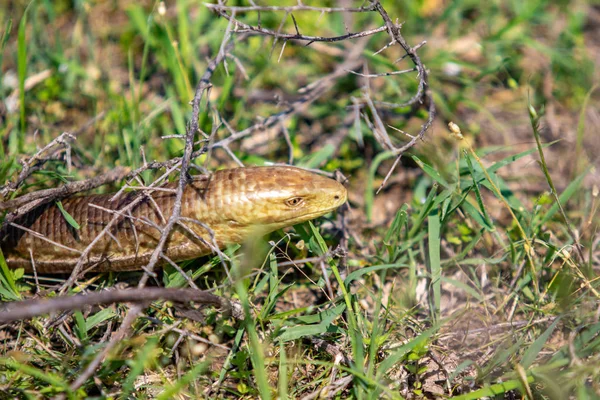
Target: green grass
475, 234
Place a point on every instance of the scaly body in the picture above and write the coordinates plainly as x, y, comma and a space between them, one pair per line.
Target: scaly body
223, 208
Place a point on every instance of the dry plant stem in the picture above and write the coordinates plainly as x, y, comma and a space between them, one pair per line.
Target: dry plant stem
421, 96
287, 9
544, 167
586, 282
183, 179
191, 131
288, 141
31, 308
181, 272
378, 128
203, 86
396, 36
404, 71
296, 36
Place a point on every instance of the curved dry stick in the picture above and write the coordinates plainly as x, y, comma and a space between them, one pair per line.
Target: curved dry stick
288, 9
396, 36
245, 28
19, 310
423, 92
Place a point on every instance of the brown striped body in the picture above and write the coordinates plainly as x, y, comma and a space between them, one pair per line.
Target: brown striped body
223, 208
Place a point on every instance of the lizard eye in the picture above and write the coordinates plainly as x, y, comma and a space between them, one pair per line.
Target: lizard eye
294, 201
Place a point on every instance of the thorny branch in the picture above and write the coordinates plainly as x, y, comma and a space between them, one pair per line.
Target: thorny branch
245, 28
422, 95
288, 9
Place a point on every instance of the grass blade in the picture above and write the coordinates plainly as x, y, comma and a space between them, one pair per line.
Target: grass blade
433, 174
8, 287
486, 217
536, 133
403, 350
493, 390
537, 346
54, 382
255, 347
171, 391
68, 217
144, 356
564, 197
434, 265
22, 73
4, 40
369, 190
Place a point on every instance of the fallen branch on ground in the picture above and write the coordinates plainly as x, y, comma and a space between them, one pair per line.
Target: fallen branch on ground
26, 309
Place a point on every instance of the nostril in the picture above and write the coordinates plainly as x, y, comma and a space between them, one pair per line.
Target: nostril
336, 197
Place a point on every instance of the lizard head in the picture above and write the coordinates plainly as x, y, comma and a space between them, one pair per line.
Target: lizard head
271, 198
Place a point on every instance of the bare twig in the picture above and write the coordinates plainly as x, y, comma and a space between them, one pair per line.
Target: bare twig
287, 9
295, 36
404, 71
423, 94
34, 199
20, 310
